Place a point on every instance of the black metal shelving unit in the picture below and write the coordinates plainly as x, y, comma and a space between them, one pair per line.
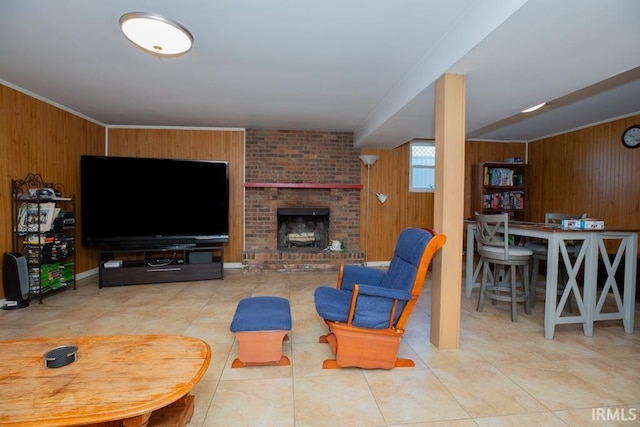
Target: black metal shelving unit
43, 226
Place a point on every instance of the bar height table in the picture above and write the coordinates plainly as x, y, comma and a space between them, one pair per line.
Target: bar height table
590, 301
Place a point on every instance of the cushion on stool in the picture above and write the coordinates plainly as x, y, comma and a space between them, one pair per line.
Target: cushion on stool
262, 314
497, 252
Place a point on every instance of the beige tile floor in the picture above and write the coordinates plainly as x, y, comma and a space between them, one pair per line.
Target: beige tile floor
504, 374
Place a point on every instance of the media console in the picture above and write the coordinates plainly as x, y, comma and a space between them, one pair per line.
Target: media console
117, 267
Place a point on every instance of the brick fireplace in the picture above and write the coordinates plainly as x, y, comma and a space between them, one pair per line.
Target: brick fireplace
303, 229
290, 169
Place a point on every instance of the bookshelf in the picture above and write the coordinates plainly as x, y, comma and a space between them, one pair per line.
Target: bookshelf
499, 187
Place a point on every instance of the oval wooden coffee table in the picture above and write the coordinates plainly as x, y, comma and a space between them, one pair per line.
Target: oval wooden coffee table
117, 380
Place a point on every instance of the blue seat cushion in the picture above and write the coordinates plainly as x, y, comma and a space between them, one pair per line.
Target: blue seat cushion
371, 312
262, 314
332, 304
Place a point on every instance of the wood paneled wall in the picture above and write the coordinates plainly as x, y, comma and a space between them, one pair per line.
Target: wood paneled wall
390, 175
587, 170
36, 137
193, 144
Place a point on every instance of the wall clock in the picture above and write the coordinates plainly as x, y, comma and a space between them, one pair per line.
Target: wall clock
631, 137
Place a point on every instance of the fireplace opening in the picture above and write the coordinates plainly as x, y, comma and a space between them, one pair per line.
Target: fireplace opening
303, 228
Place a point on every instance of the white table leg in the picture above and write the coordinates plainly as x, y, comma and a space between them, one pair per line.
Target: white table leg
551, 286
625, 303
630, 272
590, 284
471, 274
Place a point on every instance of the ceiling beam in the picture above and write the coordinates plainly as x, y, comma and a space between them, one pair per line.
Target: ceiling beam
479, 20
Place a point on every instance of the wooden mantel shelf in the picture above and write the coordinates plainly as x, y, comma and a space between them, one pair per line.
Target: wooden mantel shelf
305, 185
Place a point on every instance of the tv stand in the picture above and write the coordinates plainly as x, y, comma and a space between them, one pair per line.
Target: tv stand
183, 263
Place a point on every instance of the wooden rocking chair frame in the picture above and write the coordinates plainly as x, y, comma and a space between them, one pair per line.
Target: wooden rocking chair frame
368, 348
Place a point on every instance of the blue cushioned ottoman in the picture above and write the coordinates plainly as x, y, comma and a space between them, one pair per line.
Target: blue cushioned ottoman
260, 324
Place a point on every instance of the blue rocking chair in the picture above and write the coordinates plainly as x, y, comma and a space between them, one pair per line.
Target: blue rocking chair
367, 312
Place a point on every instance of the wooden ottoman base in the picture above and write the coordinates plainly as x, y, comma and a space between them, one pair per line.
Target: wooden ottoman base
261, 324
260, 348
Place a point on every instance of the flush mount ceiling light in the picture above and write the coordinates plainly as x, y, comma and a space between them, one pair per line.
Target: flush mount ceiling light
534, 108
156, 34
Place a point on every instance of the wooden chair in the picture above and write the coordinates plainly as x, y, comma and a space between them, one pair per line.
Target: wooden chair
368, 309
492, 238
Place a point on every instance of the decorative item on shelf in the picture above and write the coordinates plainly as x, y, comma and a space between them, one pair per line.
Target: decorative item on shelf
337, 246
42, 193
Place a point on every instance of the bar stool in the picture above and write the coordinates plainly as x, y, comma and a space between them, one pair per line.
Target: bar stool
492, 238
539, 248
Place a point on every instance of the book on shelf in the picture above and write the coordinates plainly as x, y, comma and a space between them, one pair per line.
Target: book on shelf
66, 274
39, 239
501, 177
59, 248
36, 217
512, 200
486, 203
517, 200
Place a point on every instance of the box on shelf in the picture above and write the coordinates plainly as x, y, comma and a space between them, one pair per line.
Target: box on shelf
501, 177
513, 160
114, 263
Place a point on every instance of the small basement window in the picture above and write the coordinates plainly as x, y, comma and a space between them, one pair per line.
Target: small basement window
422, 169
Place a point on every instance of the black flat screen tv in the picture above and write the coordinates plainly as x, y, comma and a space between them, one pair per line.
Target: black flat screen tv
134, 202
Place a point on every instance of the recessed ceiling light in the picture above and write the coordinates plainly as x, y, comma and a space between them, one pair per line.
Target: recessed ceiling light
156, 34
534, 108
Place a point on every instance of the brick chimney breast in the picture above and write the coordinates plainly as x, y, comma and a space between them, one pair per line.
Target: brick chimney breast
300, 157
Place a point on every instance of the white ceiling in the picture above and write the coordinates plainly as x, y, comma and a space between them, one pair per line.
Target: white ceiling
362, 66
